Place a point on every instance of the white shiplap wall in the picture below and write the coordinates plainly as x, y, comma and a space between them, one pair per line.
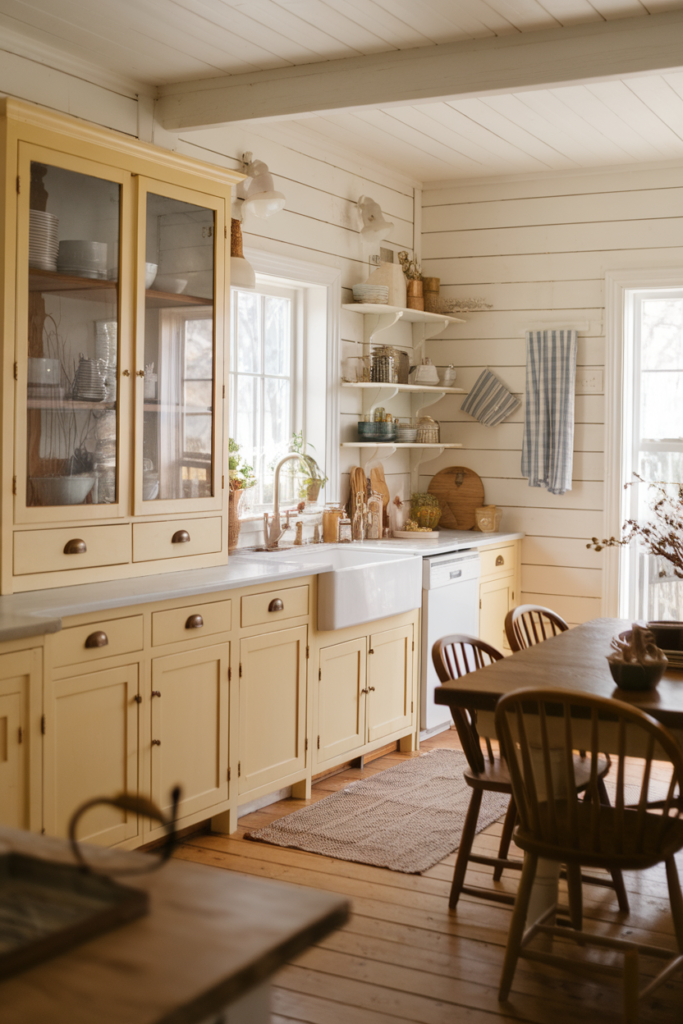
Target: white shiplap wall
538, 249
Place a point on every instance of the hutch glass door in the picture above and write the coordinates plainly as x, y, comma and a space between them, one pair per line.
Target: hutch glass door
68, 456
178, 389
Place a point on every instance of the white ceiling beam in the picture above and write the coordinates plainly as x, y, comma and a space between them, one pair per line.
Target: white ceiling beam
476, 67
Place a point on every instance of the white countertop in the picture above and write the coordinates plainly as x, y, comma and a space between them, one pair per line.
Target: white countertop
41, 611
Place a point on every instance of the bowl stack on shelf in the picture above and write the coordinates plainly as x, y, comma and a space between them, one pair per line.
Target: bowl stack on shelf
377, 294
83, 259
43, 240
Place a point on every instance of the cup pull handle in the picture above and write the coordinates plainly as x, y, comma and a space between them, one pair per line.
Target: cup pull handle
75, 547
276, 605
194, 622
97, 639
500, 560
180, 537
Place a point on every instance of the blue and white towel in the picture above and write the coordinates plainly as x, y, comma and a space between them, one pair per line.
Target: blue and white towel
489, 401
548, 445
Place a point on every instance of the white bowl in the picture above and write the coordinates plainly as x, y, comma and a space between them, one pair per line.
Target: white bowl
61, 490
150, 273
378, 293
170, 283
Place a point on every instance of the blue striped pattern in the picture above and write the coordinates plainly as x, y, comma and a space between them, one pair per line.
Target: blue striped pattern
548, 446
489, 401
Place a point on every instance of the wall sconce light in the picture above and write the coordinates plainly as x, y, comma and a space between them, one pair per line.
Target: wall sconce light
257, 191
374, 227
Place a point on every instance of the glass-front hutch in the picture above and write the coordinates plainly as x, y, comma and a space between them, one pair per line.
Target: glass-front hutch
116, 294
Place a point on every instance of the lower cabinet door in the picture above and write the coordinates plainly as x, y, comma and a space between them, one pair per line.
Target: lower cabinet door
390, 682
91, 750
272, 733
495, 600
20, 739
341, 693
190, 722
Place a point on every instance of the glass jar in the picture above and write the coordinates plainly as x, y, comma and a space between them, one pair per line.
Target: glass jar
427, 430
331, 516
344, 535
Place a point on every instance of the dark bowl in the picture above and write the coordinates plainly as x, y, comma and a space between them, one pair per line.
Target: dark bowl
636, 677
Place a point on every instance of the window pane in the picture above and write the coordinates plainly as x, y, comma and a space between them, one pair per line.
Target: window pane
661, 403
662, 334
248, 415
198, 435
199, 349
277, 332
198, 394
248, 332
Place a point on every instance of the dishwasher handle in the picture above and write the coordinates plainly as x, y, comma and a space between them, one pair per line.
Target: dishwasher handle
455, 575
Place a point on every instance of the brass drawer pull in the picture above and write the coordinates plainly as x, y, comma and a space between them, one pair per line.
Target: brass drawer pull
180, 537
276, 605
97, 639
156, 693
156, 743
194, 622
500, 560
75, 547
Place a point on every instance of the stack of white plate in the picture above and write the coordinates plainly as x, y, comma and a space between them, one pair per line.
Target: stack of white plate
83, 259
43, 241
89, 384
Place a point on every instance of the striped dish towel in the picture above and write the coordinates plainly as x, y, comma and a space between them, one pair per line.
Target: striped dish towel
489, 401
548, 445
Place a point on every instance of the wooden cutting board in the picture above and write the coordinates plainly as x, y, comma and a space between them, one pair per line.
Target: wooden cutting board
379, 485
459, 491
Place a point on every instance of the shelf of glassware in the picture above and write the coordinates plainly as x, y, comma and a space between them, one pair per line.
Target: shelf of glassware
378, 317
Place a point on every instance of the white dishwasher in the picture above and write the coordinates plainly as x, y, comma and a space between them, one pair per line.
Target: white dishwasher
450, 604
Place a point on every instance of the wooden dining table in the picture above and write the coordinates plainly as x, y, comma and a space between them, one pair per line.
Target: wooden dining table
574, 660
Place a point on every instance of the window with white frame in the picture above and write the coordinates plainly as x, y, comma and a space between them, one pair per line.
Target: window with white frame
265, 362
653, 440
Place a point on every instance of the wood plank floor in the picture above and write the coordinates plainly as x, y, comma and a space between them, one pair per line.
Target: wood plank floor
404, 957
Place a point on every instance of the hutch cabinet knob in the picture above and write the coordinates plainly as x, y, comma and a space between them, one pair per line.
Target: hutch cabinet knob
75, 547
180, 537
98, 639
276, 605
156, 743
365, 690
371, 689
156, 693
140, 373
137, 698
194, 622
125, 373
500, 560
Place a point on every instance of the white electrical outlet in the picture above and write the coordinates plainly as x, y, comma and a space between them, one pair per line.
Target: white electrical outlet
589, 381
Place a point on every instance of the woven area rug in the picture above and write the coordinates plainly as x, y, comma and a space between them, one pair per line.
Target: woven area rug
406, 818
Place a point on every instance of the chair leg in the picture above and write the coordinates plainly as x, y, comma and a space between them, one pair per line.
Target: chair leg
517, 925
617, 876
575, 896
508, 826
467, 838
676, 900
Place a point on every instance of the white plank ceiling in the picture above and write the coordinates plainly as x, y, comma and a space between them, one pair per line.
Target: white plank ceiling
162, 41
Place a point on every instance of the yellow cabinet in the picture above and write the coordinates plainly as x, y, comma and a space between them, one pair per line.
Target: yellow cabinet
390, 682
272, 700
112, 293
341, 698
20, 739
495, 601
91, 750
190, 697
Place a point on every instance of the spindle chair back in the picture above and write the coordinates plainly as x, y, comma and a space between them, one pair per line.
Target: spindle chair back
530, 624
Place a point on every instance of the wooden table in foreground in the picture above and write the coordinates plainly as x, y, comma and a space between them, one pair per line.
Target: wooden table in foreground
575, 660
208, 947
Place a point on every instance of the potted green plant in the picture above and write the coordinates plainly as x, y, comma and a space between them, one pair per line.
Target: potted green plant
313, 483
240, 478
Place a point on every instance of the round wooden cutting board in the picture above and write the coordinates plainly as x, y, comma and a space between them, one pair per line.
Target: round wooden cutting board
459, 491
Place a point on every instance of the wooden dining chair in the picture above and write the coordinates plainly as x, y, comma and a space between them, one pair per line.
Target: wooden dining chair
530, 624
539, 729
455, 656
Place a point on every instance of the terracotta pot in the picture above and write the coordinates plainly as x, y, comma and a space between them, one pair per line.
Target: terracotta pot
415, 295
233, 519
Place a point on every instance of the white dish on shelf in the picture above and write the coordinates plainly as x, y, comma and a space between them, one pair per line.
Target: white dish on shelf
169, 283
416, 534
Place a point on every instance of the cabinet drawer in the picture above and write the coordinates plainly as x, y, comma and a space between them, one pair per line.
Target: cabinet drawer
262, 608
499, 561
45, 550
182, 623
156, 540
81, 644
